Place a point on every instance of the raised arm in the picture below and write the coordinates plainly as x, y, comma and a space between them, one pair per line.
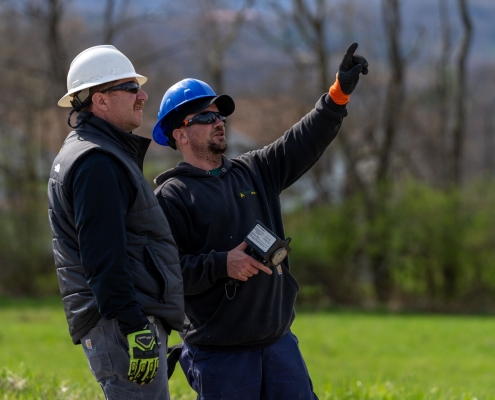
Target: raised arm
290, 156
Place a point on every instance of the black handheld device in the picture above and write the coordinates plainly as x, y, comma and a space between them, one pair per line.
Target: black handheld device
265, 246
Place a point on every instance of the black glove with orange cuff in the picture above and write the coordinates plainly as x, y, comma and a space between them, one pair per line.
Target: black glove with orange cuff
348, 76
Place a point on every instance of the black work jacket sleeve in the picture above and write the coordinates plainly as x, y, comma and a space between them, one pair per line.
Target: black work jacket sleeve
102, 194
284, 161
276, 166
199, 272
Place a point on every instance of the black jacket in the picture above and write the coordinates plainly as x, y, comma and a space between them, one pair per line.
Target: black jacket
113, 249
211, 215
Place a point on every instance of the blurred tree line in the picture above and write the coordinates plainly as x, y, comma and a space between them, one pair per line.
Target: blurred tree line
398, 210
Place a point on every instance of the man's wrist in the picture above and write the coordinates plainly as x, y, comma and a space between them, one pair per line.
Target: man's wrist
220, 265
336, 93
136, 324
333, 109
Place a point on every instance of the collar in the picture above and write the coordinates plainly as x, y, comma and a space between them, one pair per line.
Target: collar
135, 145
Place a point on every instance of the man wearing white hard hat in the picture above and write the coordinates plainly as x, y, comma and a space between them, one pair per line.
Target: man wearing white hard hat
117, 263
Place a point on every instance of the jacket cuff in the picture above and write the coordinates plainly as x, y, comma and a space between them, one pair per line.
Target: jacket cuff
336, 93
330, 107
131, 320
220, 265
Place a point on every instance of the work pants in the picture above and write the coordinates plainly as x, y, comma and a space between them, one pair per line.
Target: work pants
107, 351
275, 372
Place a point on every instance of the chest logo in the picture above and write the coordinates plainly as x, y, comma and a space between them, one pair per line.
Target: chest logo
57, 168
247, 193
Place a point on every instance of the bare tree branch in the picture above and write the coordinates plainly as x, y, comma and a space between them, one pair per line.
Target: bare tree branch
311, 27
54, 42
460, 107
116, 19
219, 36
442, 88
395, 90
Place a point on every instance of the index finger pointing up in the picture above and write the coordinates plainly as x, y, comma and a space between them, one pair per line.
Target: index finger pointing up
352, 48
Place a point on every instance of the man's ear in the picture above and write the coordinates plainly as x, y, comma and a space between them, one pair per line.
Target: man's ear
180, 136
99, 101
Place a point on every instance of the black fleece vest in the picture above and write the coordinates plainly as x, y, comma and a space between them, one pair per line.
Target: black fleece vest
147, 229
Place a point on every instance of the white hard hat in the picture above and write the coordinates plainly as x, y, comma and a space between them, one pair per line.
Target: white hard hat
94, 66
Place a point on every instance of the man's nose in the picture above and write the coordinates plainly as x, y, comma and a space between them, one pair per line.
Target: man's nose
142, 95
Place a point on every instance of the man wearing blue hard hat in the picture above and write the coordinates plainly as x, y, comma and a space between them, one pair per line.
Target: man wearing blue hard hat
226, 219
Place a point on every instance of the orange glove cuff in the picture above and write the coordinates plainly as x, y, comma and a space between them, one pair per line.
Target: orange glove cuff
336, 93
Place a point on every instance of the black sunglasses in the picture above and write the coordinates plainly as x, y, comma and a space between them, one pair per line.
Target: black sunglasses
131, 86
205, 118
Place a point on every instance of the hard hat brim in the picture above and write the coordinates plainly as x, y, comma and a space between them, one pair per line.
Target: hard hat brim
66, 99
224, 102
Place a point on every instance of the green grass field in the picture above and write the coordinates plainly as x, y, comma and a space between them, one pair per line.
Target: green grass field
349, 356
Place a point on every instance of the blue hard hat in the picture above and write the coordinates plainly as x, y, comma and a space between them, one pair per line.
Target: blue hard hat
182, 93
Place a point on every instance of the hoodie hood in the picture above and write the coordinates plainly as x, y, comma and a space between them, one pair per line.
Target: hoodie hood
185, 169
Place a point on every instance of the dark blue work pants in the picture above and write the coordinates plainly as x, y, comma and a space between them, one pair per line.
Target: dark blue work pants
275, 372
